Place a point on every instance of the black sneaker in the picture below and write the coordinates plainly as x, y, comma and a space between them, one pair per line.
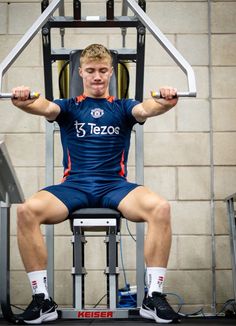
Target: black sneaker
39, 310
157, 308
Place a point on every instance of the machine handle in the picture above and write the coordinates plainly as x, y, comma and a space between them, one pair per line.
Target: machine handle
32, 95
157, 94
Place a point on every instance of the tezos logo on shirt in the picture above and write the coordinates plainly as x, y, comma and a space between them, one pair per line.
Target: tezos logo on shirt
97, 113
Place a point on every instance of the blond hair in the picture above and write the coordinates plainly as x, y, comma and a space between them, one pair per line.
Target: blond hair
95, 52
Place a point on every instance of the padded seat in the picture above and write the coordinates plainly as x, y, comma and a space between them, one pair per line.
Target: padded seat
95, 213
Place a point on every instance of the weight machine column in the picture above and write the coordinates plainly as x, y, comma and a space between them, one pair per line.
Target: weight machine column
139, 159
5, 255
78, 267
112, 267
49, 229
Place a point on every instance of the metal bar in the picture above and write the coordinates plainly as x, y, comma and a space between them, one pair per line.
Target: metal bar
112, 292
49, 229
78, 300
140, 265
139, 160
166, 44
62, 30
232, 229
25, 40
62, 8
124, 10
5, 254
110, 9
5, 302
233, 196
69, 22
76, 9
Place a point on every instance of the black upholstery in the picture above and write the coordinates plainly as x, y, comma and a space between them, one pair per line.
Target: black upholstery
76, 84
85, 213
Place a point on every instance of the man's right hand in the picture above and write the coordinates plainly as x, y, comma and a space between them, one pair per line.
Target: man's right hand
21, 96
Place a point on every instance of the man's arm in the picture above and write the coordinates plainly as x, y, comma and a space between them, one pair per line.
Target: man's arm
37, 106
151, 108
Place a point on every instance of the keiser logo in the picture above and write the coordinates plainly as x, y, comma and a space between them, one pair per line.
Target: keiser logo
93, 129
95, 314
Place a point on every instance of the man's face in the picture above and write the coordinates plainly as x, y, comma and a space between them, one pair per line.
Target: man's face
96, 77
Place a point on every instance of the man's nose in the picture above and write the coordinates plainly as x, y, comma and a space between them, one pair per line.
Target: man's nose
97, 75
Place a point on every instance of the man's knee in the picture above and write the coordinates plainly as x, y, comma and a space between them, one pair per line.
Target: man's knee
26, 215
161, 212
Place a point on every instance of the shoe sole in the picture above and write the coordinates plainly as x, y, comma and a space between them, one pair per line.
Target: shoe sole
47, 317
151, 315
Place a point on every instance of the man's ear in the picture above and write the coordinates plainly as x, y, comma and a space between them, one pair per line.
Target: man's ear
80, 71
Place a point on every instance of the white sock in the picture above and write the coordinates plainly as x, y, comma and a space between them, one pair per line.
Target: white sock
38, 282
155, 279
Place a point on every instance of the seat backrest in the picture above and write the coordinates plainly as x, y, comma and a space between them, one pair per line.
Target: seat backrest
76, 83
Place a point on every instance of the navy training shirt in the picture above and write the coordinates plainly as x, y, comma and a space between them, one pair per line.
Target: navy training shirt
95, 135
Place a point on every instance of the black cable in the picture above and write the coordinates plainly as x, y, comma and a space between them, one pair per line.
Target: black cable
62, 95
130, 301
230, 302
180, 305
96, 304
14, 306
128, 229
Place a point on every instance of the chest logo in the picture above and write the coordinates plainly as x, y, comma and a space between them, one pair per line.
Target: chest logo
97, 113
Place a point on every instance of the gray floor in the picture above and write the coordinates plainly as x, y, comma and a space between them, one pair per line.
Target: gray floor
190, 321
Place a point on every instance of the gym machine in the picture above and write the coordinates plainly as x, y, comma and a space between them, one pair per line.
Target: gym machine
140, 21
231, 212
10, 193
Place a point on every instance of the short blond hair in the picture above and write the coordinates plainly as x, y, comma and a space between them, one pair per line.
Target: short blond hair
95, 52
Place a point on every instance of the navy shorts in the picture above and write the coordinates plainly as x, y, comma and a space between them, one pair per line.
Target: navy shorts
93, 191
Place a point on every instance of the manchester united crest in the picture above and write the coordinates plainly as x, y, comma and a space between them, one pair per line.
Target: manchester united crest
97, 113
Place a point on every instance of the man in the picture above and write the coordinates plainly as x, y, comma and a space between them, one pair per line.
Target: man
95, 134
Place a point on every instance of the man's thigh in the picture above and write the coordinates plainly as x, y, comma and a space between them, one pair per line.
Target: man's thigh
47, 208
139, 203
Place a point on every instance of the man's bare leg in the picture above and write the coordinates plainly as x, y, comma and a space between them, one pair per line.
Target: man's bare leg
42, 208
142, 205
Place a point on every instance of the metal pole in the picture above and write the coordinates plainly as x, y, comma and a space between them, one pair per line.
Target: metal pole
62, 30
139, 161
49, 229
232, 235
5, 254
